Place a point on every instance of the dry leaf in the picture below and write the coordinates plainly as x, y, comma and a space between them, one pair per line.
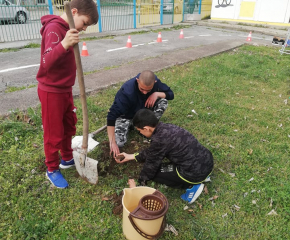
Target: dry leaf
231, 146
250, 151
194, 111
237, 207
186, 207
213, 198
271, 202
272, 212
254, 202
200, 206
35, 145
224, 215
190, 210
232, 174
205, 190
105, 199
251, 179
221, 170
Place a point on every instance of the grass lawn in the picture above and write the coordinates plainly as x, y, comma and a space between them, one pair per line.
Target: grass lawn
241, 102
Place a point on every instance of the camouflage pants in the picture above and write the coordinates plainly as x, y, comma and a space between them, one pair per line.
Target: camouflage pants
122, 125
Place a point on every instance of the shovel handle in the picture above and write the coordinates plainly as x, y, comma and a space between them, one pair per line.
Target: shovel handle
99, 130
80, 79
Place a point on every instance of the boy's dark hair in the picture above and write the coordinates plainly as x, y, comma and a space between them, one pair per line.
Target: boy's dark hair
147, 77
145, 117
87, 8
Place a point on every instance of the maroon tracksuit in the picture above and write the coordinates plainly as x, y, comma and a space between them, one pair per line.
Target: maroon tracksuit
55, 77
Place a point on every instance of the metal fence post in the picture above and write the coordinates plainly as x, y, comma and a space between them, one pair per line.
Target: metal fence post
100, 17
161, 12
199, 7
183, 3
134, 14
50, 7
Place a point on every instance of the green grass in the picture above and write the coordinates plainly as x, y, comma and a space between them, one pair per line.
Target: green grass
14, 89
239, 97
29, 45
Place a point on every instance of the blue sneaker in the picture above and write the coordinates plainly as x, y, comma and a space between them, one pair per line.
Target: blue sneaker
67, 164
193, 193
57, 179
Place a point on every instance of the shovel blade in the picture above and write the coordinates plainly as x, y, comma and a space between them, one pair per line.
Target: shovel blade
88, 171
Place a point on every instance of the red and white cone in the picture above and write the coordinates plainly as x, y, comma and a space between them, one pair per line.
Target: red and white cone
181, 36
84, 50
159, 39
249, 38
129, 43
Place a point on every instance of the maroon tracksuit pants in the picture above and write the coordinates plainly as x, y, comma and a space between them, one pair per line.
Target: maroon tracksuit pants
59, 120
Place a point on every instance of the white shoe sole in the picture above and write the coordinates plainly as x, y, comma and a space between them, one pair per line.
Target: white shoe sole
66, 166
198, 192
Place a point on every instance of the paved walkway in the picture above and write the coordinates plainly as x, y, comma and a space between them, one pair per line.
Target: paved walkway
28, 98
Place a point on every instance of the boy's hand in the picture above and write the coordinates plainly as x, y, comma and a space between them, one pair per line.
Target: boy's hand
151, 100
127, 157
153, 97
114, 149
71, 38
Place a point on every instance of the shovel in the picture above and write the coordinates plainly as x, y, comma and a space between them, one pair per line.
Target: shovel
86, 167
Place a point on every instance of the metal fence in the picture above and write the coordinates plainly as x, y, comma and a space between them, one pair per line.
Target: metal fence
20, 19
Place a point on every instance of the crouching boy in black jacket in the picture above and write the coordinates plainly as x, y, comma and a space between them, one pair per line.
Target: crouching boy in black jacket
190, 162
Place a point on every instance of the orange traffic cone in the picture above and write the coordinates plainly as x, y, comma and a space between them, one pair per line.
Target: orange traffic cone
129, 43
181, 34
159, 39
249, 38
84, 50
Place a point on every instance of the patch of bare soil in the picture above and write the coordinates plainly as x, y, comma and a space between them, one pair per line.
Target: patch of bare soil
108, 165
118, 207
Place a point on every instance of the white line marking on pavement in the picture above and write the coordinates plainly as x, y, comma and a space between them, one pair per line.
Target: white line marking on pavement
252, 37
16, 68
225, 35
257, 38
189, 37
208, 35
115, 49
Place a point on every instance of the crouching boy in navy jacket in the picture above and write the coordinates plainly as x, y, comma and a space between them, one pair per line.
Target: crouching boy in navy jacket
143, 91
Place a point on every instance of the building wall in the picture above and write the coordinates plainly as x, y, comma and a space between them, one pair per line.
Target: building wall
263, 11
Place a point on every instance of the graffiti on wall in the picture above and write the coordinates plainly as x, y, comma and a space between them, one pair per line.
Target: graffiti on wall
223, 3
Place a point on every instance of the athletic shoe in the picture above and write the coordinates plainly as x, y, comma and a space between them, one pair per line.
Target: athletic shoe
207, 179
67, 164
57, 179
193, 193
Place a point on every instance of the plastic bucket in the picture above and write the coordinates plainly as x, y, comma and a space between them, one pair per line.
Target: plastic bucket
144, 212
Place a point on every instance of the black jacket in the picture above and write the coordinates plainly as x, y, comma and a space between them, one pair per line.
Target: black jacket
193, 161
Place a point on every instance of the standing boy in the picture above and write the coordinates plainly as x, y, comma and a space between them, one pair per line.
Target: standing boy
143, 91
56, 76
190, 162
